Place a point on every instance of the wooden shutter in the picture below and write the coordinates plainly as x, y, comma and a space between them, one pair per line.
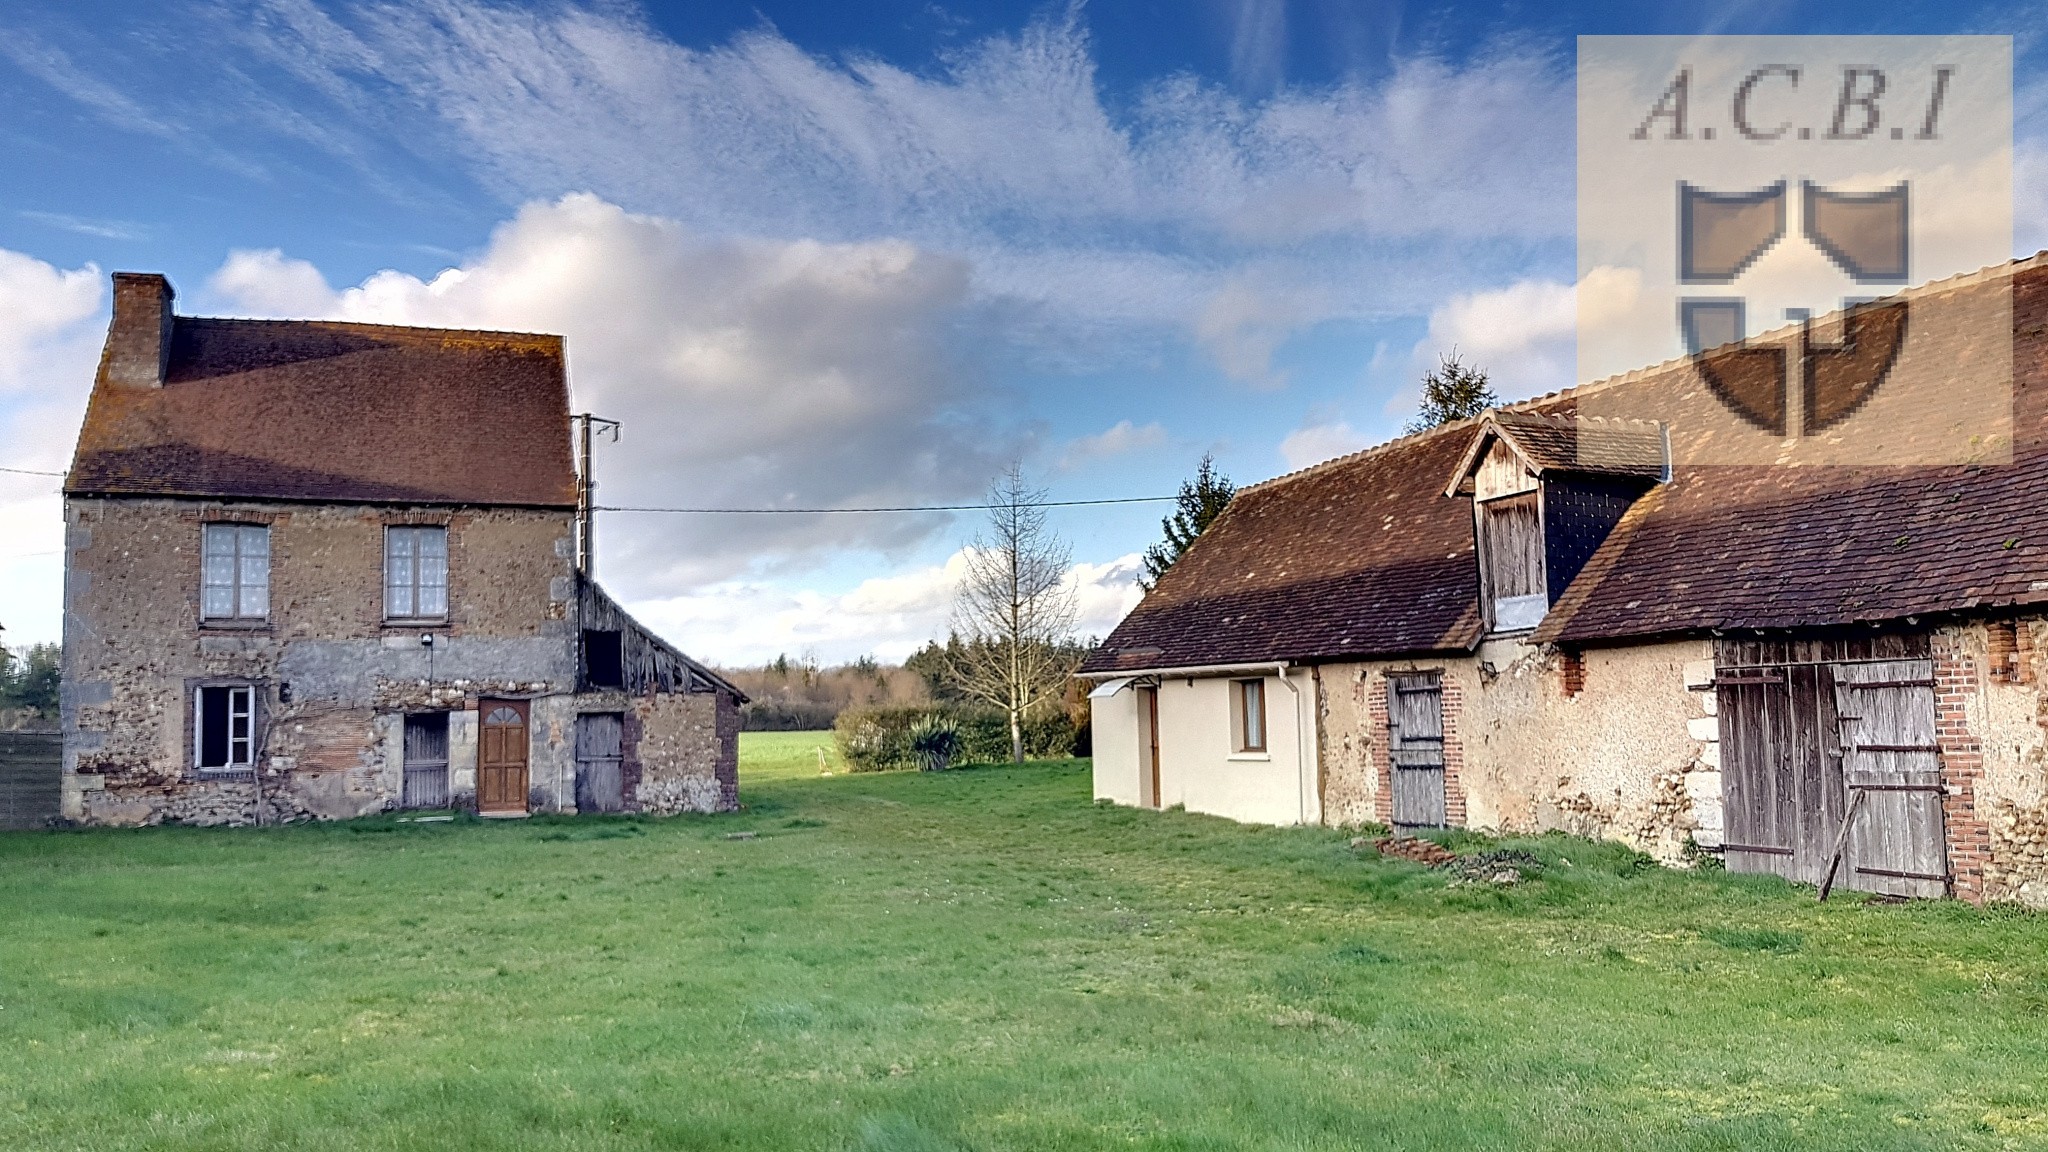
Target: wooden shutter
1415, 749
1897, 844
1511, 547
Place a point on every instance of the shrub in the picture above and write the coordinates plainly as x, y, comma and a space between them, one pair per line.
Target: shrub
786, 716
875, 739
935, 740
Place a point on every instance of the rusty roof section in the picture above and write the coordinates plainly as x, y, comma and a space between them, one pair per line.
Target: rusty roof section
329, 411
1362, 555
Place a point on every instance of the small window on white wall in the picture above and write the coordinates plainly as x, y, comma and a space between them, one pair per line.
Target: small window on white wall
224, 728
1248, 715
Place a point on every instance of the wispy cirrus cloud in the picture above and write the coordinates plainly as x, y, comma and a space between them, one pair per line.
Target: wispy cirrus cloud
1108, 222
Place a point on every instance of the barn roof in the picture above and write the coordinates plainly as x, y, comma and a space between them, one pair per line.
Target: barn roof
1361, 555
1763, 547
320, 410
1366, 556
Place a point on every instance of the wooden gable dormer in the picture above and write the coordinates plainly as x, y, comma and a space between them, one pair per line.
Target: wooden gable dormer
1545, 491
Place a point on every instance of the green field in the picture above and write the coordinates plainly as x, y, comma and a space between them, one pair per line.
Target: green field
980, 959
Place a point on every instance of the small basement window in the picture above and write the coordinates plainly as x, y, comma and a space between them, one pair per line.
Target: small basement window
1248, 715
604, 664
224, 728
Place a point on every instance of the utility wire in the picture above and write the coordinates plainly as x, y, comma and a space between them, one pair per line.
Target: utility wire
899, 508
30, 472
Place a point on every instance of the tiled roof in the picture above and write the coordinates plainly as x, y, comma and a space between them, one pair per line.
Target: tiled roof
1789, 547
1561, 442
1363, 555
312, 410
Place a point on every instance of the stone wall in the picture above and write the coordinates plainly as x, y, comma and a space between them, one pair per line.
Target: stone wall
333, 677
688, 752
1992, 726
1629, 753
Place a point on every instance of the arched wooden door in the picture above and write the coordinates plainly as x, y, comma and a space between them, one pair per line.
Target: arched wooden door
501, 752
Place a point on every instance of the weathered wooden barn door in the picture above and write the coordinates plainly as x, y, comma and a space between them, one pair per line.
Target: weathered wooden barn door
600, 762
426, 761
1415, 749
1789, 710
501, 757
1897, 843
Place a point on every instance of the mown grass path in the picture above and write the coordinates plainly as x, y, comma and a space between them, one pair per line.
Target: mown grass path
976, 960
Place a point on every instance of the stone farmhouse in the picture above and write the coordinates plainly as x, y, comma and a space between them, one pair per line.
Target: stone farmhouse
323, 570
1537, 620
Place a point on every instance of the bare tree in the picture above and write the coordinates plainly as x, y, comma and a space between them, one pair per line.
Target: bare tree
1014, 608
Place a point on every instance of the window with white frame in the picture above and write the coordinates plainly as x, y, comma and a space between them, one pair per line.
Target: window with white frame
224, 727
235, 572
415, 572
1248, 715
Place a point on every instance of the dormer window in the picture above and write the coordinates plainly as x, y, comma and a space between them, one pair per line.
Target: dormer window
1546, 490
1511, 561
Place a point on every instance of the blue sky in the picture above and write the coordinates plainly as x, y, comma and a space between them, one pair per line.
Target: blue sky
840, 254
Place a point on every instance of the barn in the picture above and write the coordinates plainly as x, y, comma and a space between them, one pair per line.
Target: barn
1549, 617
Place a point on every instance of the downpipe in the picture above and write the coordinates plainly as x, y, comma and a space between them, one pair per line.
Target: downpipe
1300, 748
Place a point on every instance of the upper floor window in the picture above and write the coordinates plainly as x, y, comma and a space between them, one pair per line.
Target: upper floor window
1248, 715
1511, 561
236, 572
416, 572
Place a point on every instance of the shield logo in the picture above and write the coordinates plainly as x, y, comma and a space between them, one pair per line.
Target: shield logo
1721, 236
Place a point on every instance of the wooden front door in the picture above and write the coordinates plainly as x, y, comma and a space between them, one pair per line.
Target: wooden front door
1415, 749
501, 752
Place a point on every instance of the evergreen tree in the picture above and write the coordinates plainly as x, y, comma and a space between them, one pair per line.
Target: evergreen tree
1200, 502
1454, 391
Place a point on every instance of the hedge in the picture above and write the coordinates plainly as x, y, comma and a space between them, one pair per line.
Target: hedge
875, 739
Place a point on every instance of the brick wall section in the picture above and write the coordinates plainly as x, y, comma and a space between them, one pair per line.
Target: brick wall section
1454, 753
1382, 762
1957, 679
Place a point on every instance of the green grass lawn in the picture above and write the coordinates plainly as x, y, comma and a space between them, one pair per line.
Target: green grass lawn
976, 960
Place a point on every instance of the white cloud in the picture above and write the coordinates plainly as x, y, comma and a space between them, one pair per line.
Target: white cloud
1525, 335
744, 622
49, 344
1116, 440
1176, 210
1315, 443
265, 284
747, 373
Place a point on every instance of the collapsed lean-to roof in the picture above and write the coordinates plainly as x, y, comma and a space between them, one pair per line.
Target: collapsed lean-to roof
312, 410
1367, 556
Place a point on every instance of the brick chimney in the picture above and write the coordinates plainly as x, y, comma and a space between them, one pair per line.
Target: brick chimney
139, 341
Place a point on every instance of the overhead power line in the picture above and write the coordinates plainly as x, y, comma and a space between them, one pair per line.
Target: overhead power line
893, 508
30, 472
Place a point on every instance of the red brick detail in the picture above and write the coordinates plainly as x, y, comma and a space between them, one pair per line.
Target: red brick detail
1957, 679
1571, 671
2001, 640
1382, 763
1454, 750
1454, 753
